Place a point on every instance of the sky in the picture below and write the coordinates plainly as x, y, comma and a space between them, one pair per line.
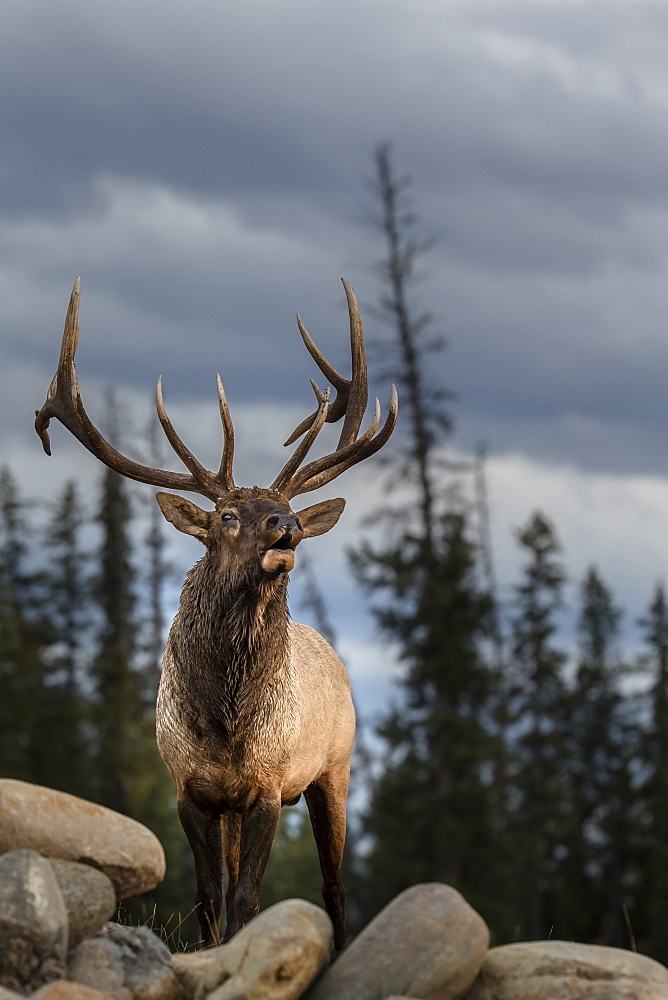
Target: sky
203, 167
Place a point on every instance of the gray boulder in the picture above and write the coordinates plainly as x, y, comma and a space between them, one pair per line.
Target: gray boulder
30, 896
59, 825
560, 970
427, 943
27, 959
6, 994
33, 922
274, 957
126, 963
89, 897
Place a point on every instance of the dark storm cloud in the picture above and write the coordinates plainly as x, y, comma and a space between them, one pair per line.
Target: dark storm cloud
201, 165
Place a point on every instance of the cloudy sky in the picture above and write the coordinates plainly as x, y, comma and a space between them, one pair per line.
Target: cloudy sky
202, 166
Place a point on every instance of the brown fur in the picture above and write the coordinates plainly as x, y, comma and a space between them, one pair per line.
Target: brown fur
253, 709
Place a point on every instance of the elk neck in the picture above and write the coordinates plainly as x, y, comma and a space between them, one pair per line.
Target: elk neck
229, 639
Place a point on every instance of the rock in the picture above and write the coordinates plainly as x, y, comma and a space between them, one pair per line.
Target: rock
127, 963
65, 989
89, 897
59, 825
559, 970
27, 959
274, 957
6, 994
30, 896
427, 943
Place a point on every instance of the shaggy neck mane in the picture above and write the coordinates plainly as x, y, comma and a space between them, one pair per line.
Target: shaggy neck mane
230, 638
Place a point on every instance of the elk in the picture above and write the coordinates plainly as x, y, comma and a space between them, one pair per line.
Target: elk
253, 709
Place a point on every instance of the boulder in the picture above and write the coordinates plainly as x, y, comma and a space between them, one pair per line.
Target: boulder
59, 825
65, 989
6, 994
274, 957
27, 959
30, 897
427, 943
33, 922
127, 963
560, 970
89, 897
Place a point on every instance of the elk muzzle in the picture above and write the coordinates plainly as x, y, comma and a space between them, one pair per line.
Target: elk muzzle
283, 533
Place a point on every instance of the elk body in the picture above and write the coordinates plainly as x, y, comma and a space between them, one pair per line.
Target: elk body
253, 709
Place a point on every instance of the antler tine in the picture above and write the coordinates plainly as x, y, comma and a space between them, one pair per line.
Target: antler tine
324, 470
224, 476
202, 475
357, 384
60, 396
63, 402
351, 401
341, 384
287, 472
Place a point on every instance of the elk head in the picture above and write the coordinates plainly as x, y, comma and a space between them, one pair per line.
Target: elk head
252, 528
256, 527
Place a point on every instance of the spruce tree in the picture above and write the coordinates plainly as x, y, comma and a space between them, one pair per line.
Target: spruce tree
538, 710
654, 886
25, 635
428, 815
598, 745
69, 594
117, 684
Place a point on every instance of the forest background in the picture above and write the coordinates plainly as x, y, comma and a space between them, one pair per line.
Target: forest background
531, 776
201, 168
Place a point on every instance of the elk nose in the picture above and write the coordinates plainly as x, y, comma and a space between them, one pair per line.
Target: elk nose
288, 523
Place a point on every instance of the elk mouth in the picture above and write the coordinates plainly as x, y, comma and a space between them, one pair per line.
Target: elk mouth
279, 557
284, 542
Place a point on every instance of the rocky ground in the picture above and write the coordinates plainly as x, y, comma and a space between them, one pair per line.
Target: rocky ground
66, 863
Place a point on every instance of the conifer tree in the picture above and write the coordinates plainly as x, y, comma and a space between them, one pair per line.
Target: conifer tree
117, 683
25, 635
428, 816
429, 812
598, 745
68, 583
538, 708
654, 886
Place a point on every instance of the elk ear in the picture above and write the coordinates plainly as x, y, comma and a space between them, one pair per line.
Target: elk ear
319, 518
184, 515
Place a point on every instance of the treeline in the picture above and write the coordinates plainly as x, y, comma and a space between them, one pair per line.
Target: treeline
80, 657
538, 785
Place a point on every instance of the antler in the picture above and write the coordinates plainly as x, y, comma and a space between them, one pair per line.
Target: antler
350, 402
63, 401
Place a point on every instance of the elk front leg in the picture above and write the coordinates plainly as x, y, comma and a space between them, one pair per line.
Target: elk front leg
232, 845
326, 801
204, 836
258, 830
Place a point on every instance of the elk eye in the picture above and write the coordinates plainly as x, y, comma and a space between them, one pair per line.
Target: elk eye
228, 516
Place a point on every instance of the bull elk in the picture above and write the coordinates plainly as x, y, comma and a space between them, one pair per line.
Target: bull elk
253, 709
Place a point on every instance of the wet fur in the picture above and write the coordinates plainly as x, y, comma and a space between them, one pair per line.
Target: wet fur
253, 710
